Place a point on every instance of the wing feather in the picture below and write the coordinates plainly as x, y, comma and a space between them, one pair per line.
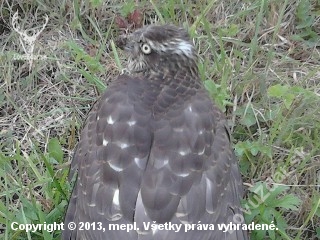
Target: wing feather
110, 159
154, 158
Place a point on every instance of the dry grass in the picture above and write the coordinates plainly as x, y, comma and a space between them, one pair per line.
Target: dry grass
246, 47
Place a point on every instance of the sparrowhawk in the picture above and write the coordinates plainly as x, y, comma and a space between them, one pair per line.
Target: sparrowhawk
155, 151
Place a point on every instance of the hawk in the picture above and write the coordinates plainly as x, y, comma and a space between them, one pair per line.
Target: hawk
155, 151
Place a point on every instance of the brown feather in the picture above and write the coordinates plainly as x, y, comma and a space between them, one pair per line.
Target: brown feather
155, 148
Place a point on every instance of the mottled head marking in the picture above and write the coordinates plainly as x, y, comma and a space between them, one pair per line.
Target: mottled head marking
154, 47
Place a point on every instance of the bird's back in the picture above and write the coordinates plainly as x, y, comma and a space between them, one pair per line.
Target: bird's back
155, 155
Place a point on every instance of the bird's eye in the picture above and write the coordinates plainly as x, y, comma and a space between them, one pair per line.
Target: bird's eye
145, 48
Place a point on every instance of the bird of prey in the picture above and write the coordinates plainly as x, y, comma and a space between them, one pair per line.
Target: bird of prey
155, 151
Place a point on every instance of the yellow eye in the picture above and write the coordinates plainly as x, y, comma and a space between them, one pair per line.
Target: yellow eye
145, 48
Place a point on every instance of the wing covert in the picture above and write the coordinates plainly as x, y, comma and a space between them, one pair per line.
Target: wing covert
110, 158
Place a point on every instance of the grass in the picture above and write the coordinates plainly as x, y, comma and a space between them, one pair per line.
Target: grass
259, 59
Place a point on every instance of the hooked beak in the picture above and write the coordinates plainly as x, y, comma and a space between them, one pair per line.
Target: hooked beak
121, 41
124, 42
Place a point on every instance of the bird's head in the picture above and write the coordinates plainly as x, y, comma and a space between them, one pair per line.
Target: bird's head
158, 47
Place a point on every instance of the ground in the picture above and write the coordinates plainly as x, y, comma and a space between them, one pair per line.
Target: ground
259, 59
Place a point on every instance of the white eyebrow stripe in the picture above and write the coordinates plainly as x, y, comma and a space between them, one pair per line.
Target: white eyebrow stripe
185, 47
